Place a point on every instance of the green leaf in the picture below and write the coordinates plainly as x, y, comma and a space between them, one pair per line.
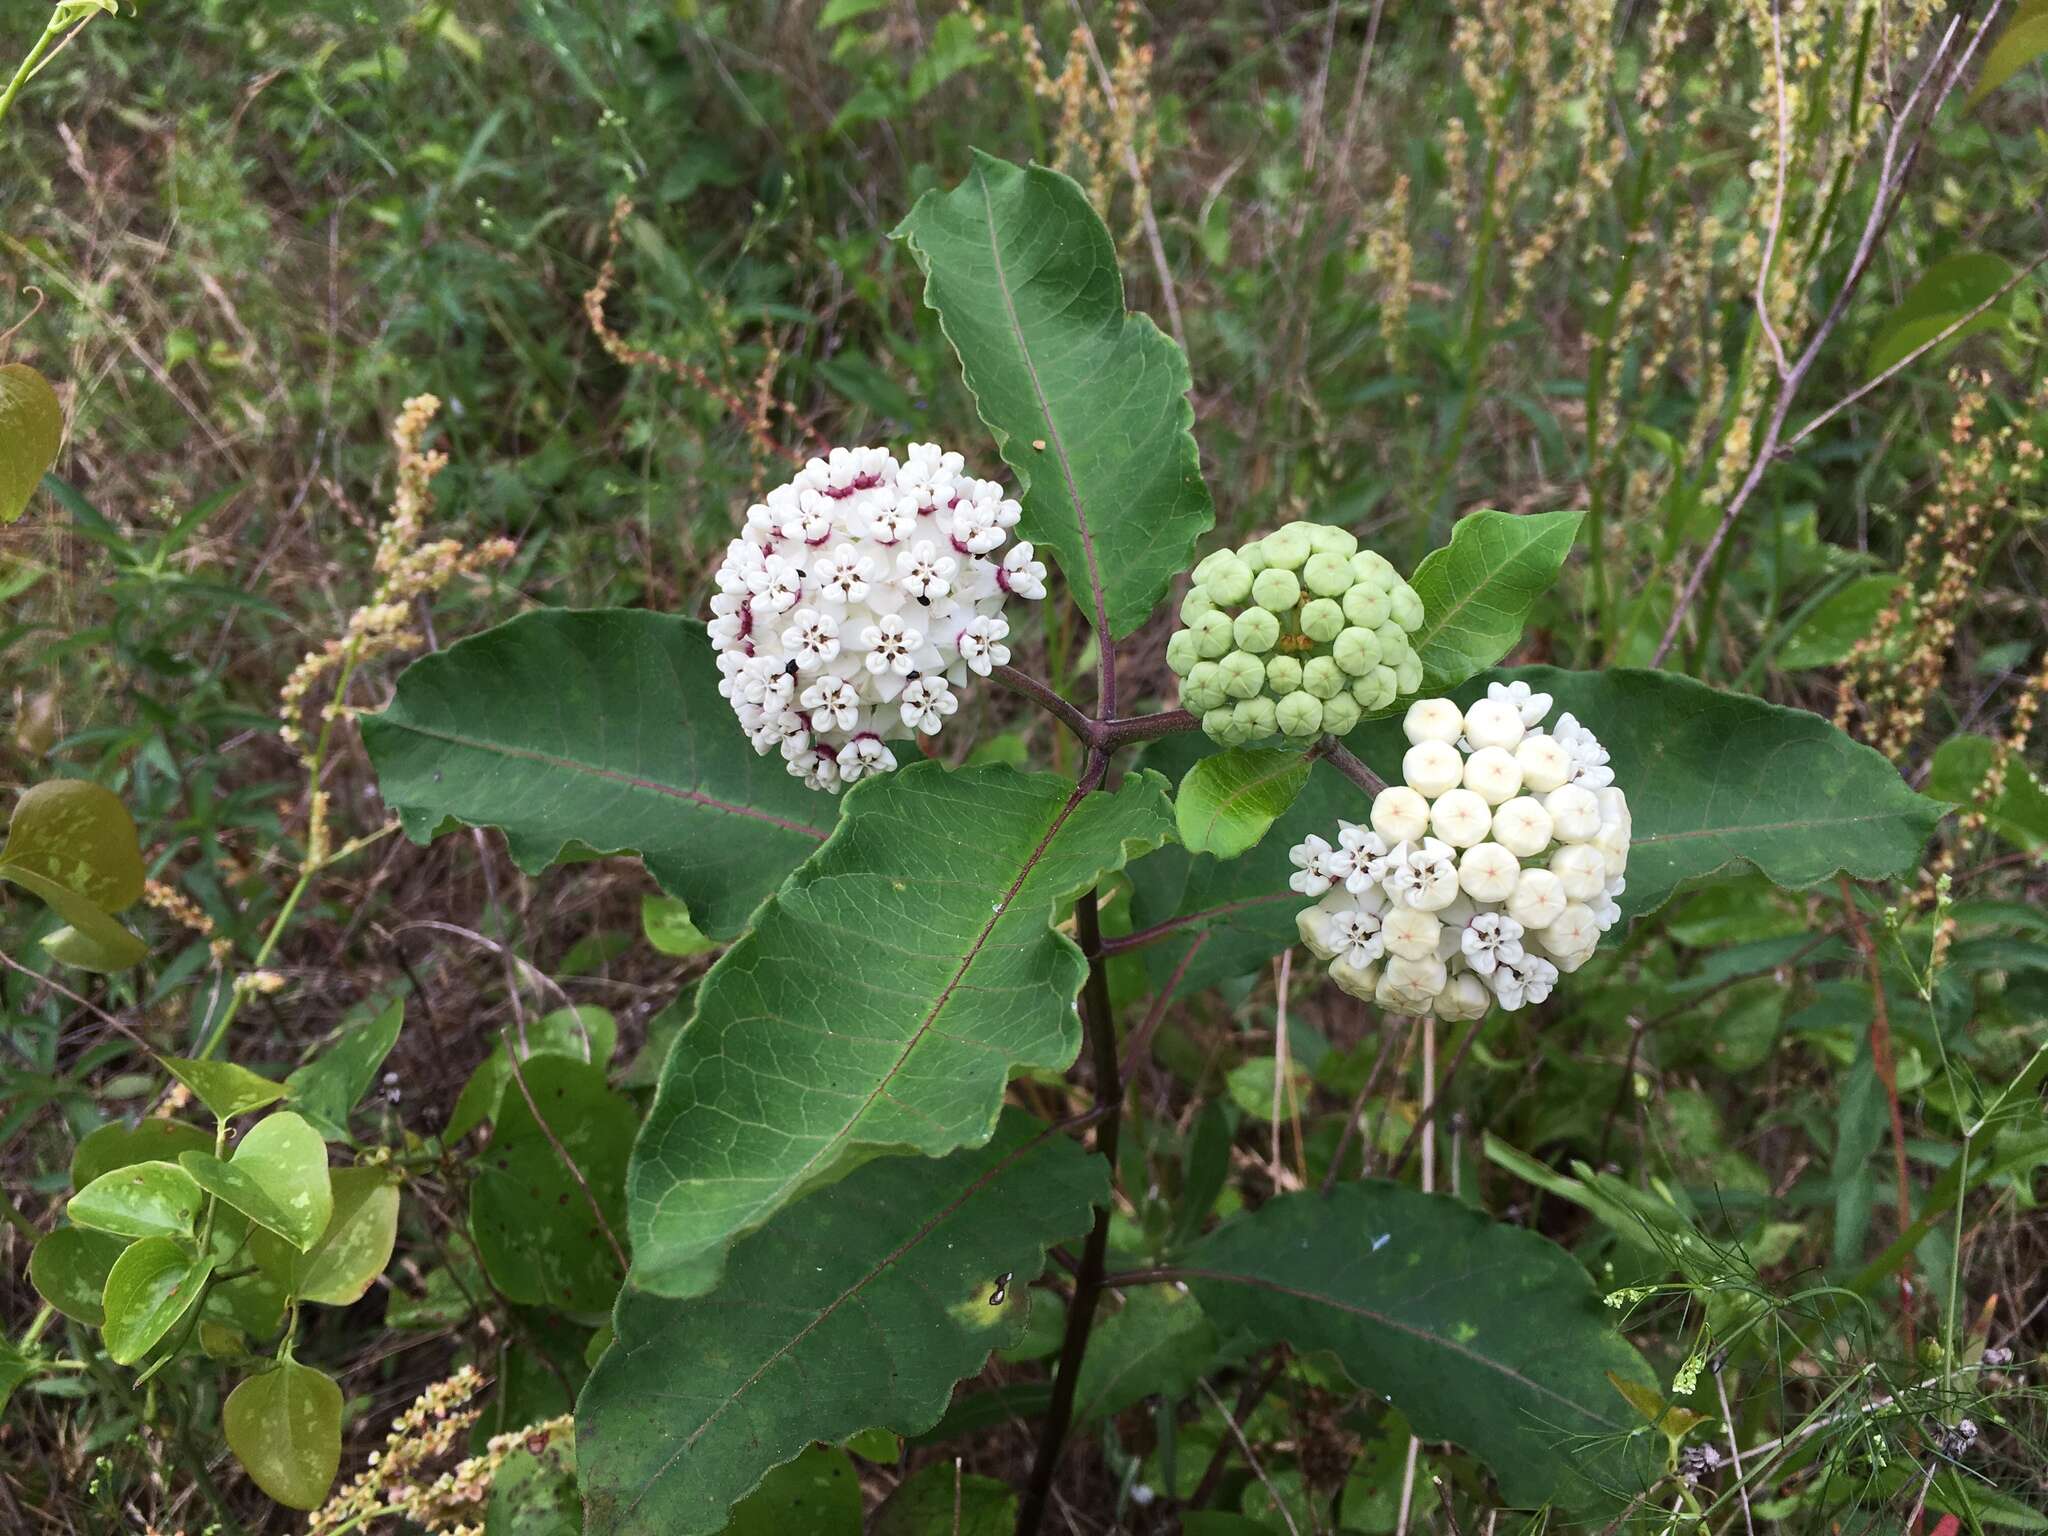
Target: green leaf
72, 845
537, 1495
941, 1500
341, 1267
2024, 40
31, 432
667, 925
278, 1178
1477, 590
15, 1368
116, 1145
581, 1034
883, 999
1157, 1344
285, 1428
140, 1200
1828, 633
151, 1287
1088, 403
535, 1231
224, 1088
1226, 803
2020, 811
1485, 1335
858, 1309
1945, 293
602, 729
818, 1494
329, 1086
69, 1270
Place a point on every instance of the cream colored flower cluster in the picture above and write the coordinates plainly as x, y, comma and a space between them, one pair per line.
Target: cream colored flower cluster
1489, 870
857, 598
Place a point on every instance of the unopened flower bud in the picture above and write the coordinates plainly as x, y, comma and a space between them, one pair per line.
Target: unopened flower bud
1399, 814
1494, 723
1277, 588
1432, 720
1581, 869
1522, 826
1299, 714
1488, 872
1574, 813
1538, 899
1433, 767
1493, 774
1460, 817
1545, 764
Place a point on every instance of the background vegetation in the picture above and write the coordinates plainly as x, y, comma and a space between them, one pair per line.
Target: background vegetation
1679, 264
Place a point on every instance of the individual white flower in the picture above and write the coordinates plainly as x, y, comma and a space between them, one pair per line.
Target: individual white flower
1410, 933
1529, 704
1424, 875
865, 753
1488, 938
814, 638
1522, 826
1371, 858
1021, 574
924, 573
832, 702
1570, 940
892, 646
1357, 938
1589, 759
1411, 986
1318, 866
1520, 983
926, 702
981, 645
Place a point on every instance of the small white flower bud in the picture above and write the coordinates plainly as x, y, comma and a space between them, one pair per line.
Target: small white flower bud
1314, 926
1410, 934
1493, 774
1361, 981
1399, 814
1460, 817
1539, 899
1464, 996
1613, 845
1574, 814
1545, 764
1412, 985
1432, 767
1488, 872
1581, 869
1571, 940
1494, 723
1522, 826
1432, 720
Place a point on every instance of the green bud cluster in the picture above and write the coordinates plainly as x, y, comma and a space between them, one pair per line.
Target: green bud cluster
1295, 634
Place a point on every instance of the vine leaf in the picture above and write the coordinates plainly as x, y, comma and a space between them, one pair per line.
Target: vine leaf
856, 1310
72, 845
882, 1001
1088, 403
150, 1287
31, 432
351, 1253
1715, 781
1485, 1335
223, 1087
330, 1085
285, 1428
69, 1269
1477, 590
571, 731
277, 1178
140, 1200
1226, 803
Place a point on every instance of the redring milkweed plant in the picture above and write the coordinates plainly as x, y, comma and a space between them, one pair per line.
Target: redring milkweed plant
835, 1208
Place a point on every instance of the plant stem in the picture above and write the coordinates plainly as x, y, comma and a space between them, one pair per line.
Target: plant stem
1088, 1286
58, 18
1340, 757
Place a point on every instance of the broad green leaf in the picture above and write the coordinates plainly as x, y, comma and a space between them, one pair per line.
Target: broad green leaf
2024, 40
1087, 402
140, 1200
942, 1500
71, 844
1477, 590
1828, 633
1486, 1335
537, 1495
151, 1287
353, 1250
2020, 810
1226, 803
116, 1145
69, 1270
531, 1216
252, 1304
285, 1428
1715, 782
858, 1309
15, 1368
1157, 1344
278, 1178
329, 1086
883, 999
818, 1494
31, 432
667, 925
582, 1034
223, 1087
601, 730
1945, 293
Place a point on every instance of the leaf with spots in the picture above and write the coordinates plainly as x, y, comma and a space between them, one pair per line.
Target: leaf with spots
855, 1310
601, 730
1088, 403
72, 845
884, 998
1481, 1334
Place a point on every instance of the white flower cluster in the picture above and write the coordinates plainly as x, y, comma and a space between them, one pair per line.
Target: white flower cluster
1491, 869
857, 598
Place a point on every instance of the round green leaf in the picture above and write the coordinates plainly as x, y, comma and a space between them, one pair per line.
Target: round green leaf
278, 1178
140, 1200
581, 1034
285, 1428
152, 1285
79, 836
31, 431
117, 1145
1226, 802
353, 1250
69, 1270
223, 1087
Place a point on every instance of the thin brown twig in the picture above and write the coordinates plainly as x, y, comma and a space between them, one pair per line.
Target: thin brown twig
1888, 1075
